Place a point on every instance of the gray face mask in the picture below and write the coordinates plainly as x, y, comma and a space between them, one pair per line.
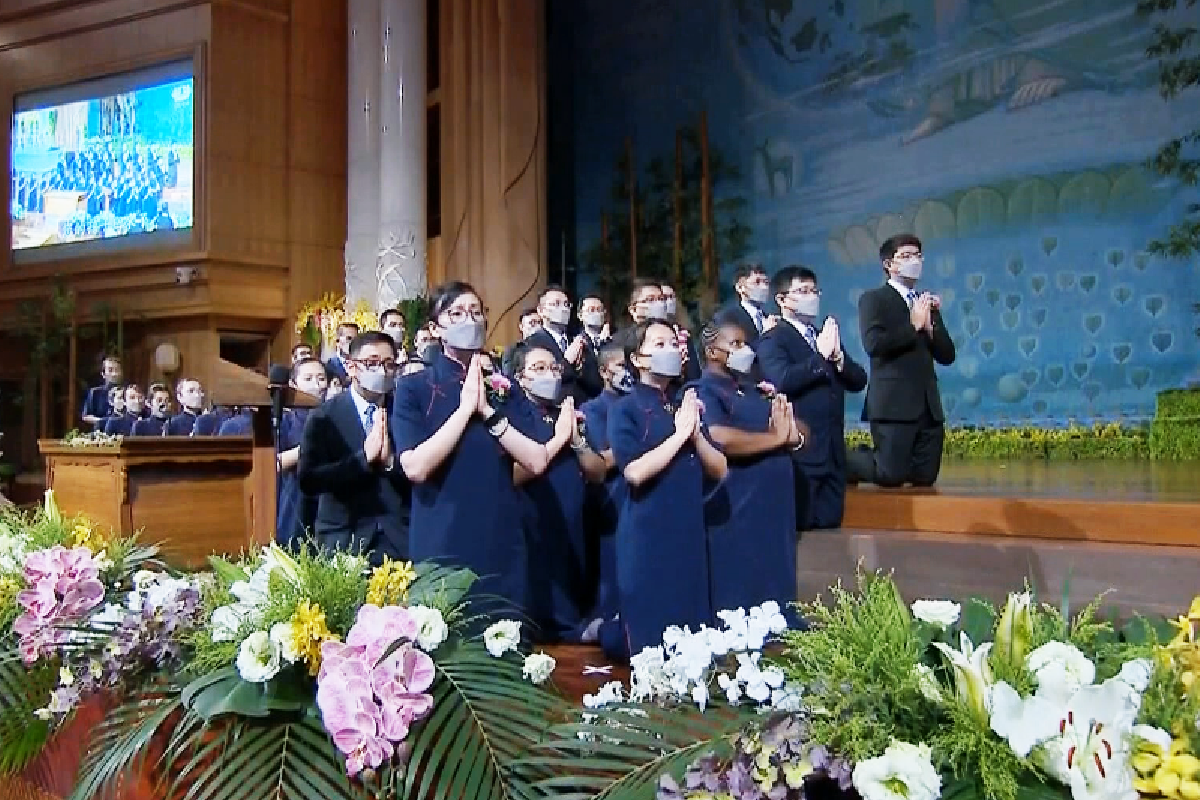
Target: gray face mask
545, 387
740, 360
557, 315
465, 335
670, 305
759, 294
808, 305
666, 363
379, 382
656, 309
134, 406
593, 319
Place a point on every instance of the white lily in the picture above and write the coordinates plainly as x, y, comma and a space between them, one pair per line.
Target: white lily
1014, 631
50, 507
1024, 722
972, 673
1091, 755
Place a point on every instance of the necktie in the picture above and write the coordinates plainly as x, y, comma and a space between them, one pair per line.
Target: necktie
809, 336
910, 297
369, 416
758, 320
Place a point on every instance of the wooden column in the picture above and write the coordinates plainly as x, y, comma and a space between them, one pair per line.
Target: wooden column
493, 91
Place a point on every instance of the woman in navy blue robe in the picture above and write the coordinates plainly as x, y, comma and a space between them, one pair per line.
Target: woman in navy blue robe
296, 511
665, 457
561, 584
751, 518
457, 446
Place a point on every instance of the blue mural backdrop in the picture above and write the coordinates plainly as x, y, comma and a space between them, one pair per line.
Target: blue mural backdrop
1010, 135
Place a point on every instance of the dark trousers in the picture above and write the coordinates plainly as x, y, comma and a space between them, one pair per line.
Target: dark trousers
905, 452
820, 496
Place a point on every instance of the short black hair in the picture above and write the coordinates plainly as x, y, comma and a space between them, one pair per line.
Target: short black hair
392, 312
133, 386
638, 338
641, 284
371, 337
155, 388
551, 287
353, 325
591, 296
445, 295
746, 270
888, 249
299, 345
304, 362
520, 355
784, 279
611, 351
527, 312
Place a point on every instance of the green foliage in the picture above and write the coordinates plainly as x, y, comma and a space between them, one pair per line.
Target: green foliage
23, 690
1175, 47
416, 314
1076, 442
654, 230
118, 744
1175, 431
859, 660
967, 746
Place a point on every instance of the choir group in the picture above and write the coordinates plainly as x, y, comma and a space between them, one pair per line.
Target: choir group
607, 484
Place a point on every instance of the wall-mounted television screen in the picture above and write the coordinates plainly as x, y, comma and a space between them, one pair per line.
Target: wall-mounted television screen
102, 160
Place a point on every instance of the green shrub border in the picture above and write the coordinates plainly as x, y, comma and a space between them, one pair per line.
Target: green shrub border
1174, 435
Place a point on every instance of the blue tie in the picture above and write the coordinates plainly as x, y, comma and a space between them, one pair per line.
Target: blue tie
810, 336
369, 415
758, 320
911, 297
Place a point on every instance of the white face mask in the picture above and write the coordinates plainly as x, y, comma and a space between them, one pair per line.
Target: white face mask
134, 406
558, 315
808, 305
593, 319
669, 305
396, 332
656, 309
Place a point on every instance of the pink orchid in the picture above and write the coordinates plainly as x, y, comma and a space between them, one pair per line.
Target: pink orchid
343, 659
361, 743
498, 382
63, 586
376, 628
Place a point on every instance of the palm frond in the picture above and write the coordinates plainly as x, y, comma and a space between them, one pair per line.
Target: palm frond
485, 716
285, 757
120, 742
23, 690
621, 751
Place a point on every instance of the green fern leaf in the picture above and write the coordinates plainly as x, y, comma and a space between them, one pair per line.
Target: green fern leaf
23, 690
120, 741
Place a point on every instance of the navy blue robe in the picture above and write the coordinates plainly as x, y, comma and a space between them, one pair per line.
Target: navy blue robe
182, 424
662, 552
751, 517
559, 585
296, 512
468, 513
95, 404
603, 506
150, 426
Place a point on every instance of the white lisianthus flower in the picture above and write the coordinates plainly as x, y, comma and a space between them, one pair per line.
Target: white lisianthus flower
283, 636
941, 613
904, 772
1137, 673
502, 636
1060, 669
431, 627
258, 658
537, 667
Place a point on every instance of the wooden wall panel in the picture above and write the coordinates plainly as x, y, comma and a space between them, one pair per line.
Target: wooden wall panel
493, 146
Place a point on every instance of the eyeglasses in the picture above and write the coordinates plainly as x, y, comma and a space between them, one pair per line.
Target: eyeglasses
908, 257
374, 364
567, 306
544, 369
805, 290
456, 315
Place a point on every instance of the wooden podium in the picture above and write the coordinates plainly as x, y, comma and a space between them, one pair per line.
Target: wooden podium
197, 495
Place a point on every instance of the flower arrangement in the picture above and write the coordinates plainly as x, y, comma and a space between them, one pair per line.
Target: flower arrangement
342, 680
498, 388
74, 438
885, 701
317, 322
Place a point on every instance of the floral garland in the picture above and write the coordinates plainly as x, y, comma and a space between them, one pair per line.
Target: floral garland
74, 438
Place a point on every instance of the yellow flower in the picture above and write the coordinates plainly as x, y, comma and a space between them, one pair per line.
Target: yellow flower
389, 582
8, 591
309, 632
84, 535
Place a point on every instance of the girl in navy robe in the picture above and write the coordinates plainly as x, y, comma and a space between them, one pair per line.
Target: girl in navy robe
458, 446
665, 456
561, 565
751, 518
296, 511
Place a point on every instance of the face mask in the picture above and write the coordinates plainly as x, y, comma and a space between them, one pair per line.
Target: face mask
808, 305
557, 315
593, 319
740, 360
397, 335
656, 309
623, 383
666, 363
159, 410
380, 382
909, 269
758, 294
669, 306
135, 406
465, 335
545, 387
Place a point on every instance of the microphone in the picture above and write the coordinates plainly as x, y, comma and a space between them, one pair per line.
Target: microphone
277, 381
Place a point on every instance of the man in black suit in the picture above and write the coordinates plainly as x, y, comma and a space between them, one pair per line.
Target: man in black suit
807, 363
753, 290
581, 372
347, 459
527, 323
336, 365
904, 335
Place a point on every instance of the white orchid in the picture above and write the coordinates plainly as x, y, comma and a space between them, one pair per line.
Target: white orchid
972, 673
1014, 631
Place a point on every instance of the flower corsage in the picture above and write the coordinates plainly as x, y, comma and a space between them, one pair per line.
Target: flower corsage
767, 390
498, 388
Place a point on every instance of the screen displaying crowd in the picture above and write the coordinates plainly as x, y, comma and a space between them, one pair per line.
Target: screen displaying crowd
103, 168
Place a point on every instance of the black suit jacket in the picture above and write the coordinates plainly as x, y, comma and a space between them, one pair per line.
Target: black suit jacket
903, 381
582, 382
359, 505
816, 390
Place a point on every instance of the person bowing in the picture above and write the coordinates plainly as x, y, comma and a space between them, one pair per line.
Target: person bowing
348, 462
665, 455
458, 446
751, 517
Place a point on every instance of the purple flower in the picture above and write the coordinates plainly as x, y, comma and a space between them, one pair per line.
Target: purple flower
376, 628
63, 586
